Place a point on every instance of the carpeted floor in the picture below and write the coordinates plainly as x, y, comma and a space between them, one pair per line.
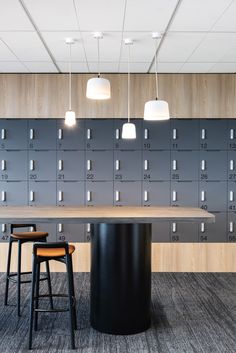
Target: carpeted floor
191, 313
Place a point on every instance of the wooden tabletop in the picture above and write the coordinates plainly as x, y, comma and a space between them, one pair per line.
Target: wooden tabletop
101, 214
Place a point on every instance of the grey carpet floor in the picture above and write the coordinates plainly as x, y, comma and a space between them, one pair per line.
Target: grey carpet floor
191, 313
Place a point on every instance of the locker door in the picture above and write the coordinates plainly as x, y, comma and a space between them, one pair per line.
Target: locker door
4, 232
161, 232
231, 196
13, 134
127, 165
126, 144
50, 228
70, 165
231, 134
13, 193
42, 165
70, 193
231, 167
184, 134
214, 232
213, 196
99, 193
70, 138
184, 193
42, 134
99, 134
184, 232
231, 227
184, 165
213, 165
213, 134
156, 193
70, 232
13, 165
127, 193
99, 165
42, 193
156, 165
156, 136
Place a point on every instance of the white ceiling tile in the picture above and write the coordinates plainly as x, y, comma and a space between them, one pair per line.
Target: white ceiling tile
43, 66
135, 67
195, 15
152, 15
13, 17
102, 15
227, 22
177, 47
230, 56
60, 50
5, 52
11, 66
214, 47
53, 15
167, 67
223, 67
104, 67
26, 45
75, 66
195, 67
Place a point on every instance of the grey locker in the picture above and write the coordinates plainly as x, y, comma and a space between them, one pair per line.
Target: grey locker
50, 228
213, 134
156, 135
42, 165
231, 134
42, 134
156, 193
13, 134
71, 138
127, 165
214, 232
184, 193
156, 165
99, 193
231, 166
127, 193
70, 193
213, 165
231, 196
231, 227
126, 144
184, 165
42, 193
184, 134
70, 165
161, 232
13, 193
99, 134
70, 232
213, 196
13, 165
99, 165
181, 232
4, 232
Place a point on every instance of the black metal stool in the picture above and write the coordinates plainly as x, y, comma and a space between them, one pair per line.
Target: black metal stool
21, 238
61, 252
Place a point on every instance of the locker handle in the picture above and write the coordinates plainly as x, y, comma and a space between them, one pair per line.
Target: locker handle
146, 134
4, 228
60, 195
231, 164
117, 196
3, 164
60, 134
31, 196
89, 164
3, 194
117, 134
203, 134
231, 227
89, 134
174, 164
174, 227
31, 134
146, 164
60, 164
203, 196
202, 227
145, 196
203, 165
3, 134
117, 164
31, 164
231, 196
174, 134
88, 227
174, 196
231, 134
88, 196
60, 227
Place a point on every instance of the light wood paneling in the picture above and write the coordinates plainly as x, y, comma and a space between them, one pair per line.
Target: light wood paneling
166, 257
46, 95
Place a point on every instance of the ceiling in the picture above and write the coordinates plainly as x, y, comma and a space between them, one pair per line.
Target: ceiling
197, 35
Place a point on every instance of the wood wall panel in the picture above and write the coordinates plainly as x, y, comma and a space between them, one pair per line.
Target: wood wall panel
46, 95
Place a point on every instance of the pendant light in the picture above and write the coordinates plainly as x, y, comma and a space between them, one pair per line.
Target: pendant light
128, 129
98, 88
156, 109
70, 119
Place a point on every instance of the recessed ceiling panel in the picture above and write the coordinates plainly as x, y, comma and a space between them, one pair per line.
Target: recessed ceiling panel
75, 66
223, 67
104, 67
12, 66
167, 67
5, 52
227, 22
134, 67
13, 17
43, 66
195, 67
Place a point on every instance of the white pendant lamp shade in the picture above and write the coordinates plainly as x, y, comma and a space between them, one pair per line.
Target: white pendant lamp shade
156, 110
128, 131
70, 119
98, 88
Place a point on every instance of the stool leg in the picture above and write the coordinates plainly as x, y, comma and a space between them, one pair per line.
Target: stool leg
37, 280
19, 278
32, 303
8, 270
70, 297
73, 293
49, 284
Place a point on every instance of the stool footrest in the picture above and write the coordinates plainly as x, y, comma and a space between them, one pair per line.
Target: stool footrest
51, 310
23, 273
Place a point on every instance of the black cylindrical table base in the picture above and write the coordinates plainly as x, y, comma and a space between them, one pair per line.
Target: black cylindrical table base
120, 278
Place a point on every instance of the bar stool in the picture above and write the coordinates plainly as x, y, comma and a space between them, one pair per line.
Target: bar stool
21, 238
61, 252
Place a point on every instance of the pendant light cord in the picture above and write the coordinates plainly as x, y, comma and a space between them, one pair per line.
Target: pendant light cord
70, 80
156, 46
128, 82
99, 73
